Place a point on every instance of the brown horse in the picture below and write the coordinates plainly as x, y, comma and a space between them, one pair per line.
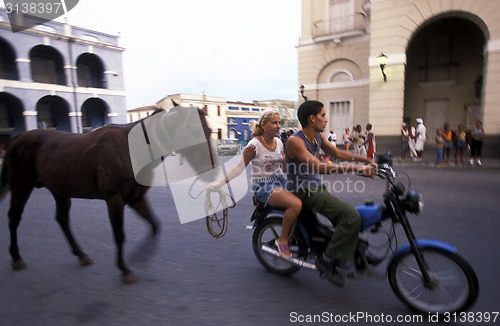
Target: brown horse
95, 165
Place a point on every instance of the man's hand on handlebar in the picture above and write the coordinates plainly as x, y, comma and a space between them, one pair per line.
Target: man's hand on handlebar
369, 171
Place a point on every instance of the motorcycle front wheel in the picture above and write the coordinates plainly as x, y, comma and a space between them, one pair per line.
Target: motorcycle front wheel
265, 235
454, 283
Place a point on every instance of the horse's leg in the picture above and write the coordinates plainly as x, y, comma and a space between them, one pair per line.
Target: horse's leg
116, 208
19, 196
63, 205
141, 206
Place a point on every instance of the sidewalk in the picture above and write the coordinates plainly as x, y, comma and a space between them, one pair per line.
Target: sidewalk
429, 156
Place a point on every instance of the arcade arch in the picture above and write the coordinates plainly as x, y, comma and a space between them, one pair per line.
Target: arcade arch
47, 65
90, 71
94, 114
53, 113
445, 64
8, 67
11, 116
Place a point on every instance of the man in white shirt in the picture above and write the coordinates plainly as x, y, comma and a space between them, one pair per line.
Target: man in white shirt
420, 138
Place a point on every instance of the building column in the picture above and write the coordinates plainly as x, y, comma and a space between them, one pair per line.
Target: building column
491, 99
71, 76
112, 118
491, 84
30, 119
75, 119
24, 66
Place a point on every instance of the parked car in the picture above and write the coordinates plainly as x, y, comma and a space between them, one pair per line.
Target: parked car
230, 145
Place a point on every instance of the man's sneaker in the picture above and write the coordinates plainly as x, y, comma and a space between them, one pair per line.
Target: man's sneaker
329, 270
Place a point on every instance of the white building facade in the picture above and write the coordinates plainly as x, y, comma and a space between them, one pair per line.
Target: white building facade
58, 76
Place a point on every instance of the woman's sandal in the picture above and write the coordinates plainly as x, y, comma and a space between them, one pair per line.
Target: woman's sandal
284, 249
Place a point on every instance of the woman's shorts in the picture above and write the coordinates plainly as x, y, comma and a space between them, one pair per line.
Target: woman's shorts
461, 144
263, 188
447, 144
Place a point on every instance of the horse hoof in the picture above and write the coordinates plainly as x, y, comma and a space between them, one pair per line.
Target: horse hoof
86, 261
18, 265
129, 278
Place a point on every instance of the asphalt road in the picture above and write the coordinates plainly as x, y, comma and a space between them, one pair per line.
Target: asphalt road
188, 278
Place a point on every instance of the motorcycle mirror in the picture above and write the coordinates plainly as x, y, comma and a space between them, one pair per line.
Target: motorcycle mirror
384, 158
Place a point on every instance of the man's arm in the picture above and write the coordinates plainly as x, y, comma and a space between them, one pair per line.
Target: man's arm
296, 148
344, 155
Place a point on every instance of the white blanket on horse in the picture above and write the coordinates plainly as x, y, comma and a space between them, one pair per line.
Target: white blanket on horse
176, 130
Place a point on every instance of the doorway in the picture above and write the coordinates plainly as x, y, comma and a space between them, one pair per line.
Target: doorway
435, 115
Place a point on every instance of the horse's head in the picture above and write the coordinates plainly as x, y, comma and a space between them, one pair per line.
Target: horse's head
181, 130
193, 133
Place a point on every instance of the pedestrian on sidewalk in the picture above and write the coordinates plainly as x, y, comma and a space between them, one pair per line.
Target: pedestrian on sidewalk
461, 144
447, 138
370, 143
405, 141
440, 144
476, 145
358, 140
420, 138
346, 138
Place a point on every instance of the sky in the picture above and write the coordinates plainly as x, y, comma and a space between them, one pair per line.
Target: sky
237, 49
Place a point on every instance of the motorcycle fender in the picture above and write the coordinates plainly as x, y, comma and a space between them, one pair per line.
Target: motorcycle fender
258, 219
425, 243
300, 228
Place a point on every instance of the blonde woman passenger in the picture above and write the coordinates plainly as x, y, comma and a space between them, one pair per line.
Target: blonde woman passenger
266, 153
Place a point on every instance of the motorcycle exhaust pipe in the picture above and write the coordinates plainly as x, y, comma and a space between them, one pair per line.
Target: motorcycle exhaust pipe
293, 260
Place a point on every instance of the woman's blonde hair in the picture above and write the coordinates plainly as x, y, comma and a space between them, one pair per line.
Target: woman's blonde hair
258, 130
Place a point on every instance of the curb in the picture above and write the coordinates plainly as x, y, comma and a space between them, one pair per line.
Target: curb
485, 165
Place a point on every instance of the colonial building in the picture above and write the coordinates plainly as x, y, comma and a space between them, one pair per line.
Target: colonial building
58, 76
443, 60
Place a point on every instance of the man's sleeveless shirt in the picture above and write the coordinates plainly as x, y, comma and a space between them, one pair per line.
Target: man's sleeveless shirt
300, 175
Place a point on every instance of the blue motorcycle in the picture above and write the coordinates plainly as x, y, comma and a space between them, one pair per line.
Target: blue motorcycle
428, 275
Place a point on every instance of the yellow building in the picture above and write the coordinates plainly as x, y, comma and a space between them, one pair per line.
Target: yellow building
443, 64
215, 108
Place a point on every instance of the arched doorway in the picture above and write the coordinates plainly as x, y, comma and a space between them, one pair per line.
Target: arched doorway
445, 64
11, 117
8, 67
94, 114
47, 65
53, 113
90, 71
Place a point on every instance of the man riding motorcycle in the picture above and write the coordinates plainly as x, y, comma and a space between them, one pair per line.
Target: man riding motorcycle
303, 167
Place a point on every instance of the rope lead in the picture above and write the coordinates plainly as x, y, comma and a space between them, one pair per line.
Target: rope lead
216, 226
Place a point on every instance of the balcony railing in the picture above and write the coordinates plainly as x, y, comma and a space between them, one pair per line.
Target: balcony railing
351, 25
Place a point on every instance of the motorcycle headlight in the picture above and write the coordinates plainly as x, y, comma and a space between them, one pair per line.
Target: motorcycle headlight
414, 202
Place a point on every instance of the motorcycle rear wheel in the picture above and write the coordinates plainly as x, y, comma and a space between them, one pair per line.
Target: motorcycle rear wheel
266, 234
456, 285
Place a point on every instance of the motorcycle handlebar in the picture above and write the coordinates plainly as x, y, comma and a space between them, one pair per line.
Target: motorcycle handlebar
385, 171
